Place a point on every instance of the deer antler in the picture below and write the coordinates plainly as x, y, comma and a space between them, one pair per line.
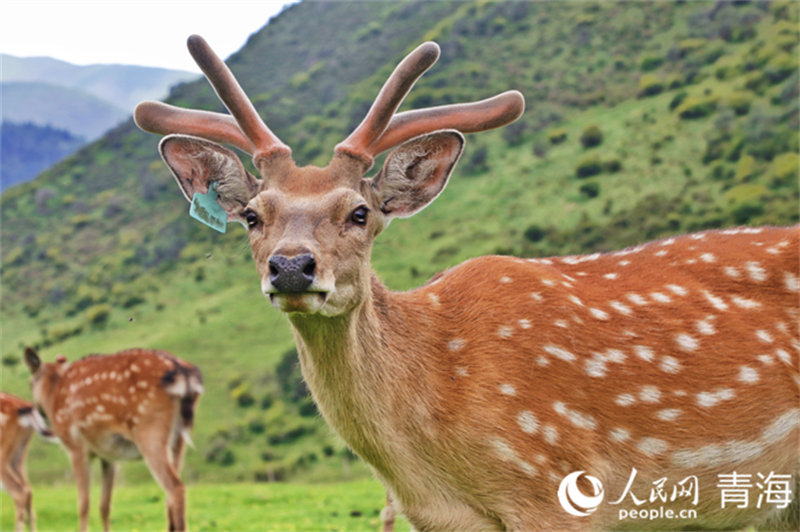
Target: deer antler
244, 129
381, 129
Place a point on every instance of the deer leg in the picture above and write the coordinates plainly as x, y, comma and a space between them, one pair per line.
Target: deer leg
19, 490
156, 453
178, 448
109, 469
388, 515
80, 470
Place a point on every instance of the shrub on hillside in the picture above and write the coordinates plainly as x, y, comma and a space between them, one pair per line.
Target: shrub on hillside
98, 315
650, 85
592, 136
650, 62
588, 165
740, 103
693, 107
780, 67
557, 136
590, 190
785, 167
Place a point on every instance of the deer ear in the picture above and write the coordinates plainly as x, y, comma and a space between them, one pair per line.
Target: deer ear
32, 360
196, 163
416, 172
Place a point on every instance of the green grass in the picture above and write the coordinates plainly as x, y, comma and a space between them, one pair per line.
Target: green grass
285, 507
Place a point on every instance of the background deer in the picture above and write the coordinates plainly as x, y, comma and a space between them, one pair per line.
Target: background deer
133, 404
18, 421
474, 396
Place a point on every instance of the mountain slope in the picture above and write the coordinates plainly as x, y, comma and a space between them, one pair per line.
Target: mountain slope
643, 120
43, 104
27, 149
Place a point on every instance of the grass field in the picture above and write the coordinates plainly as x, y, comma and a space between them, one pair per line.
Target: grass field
345, 506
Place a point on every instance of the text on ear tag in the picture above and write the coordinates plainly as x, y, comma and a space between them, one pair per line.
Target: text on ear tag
207, 210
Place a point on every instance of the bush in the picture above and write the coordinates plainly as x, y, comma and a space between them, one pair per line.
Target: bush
740, 102
243, 396
693, 108
588, 165
10, 360
477, 162
592, 136
513, 133
780, 67
650, 85
557, 136
590, 190
98, 315
534, 233
742, 214
677, 100
650, 62
612, 165
786, 165
688, 46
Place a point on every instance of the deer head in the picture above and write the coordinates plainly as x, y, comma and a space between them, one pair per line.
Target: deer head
311, 229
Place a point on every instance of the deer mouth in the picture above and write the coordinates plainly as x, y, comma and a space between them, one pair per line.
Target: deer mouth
300, 302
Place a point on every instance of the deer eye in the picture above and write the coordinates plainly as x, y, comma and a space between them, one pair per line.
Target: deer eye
251, 218
359, 216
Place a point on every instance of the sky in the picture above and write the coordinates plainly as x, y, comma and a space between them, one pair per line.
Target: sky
130, 32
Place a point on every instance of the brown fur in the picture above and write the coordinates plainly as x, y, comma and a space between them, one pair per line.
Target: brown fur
133, 404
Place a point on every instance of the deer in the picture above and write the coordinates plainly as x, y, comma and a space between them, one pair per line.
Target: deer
134, 404
18, 421
475, 397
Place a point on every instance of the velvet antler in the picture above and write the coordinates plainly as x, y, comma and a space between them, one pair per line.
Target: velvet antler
244, 129
381, 129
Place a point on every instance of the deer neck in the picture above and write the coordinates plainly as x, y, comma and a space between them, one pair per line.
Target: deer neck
353, 370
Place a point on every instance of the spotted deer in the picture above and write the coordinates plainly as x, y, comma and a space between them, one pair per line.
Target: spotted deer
18, 421
130, 405
474, 396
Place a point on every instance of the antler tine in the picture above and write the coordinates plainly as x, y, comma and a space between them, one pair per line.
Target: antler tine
230, 92
359, 143
467, 118
164, 119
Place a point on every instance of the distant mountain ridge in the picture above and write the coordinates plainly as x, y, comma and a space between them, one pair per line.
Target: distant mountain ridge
124, 85
44, 104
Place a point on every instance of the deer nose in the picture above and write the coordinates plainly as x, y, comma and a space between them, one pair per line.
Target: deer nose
292, 275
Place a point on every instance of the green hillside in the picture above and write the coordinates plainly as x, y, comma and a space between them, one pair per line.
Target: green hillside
644, 120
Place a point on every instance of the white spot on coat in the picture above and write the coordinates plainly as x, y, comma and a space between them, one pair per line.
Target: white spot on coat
730, 271
756, 272
791, 281
668, 414
764, 336
505, 332
652, 446
507, 389
686, 342
622, 309
745, 303
625, 399
456, 345
558, 352
527, 422
748, 375
705, 326
661, 298
579, 419
715, 301
599, 314
709, 399
708, 257
620, 435
644, 352
650, 394
670, 364
636, 299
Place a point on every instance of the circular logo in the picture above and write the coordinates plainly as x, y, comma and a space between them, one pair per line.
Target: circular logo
573, 501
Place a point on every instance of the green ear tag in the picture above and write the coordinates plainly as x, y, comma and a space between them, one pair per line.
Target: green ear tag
207, 210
